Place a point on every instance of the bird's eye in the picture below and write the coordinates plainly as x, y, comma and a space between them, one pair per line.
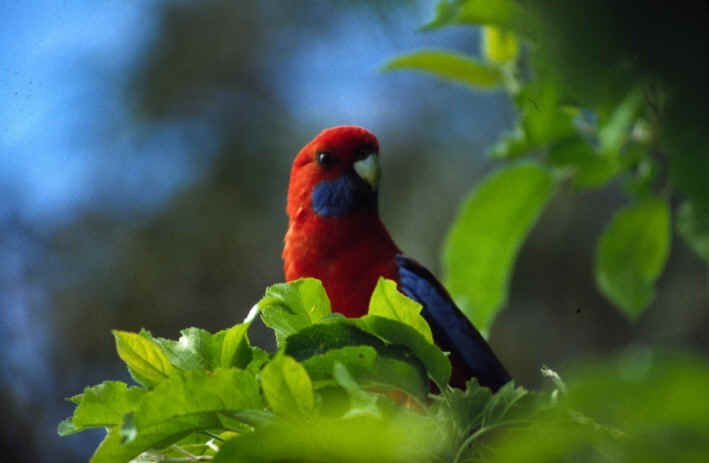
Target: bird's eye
325, 159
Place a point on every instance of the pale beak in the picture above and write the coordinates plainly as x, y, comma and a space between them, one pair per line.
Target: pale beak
368, 169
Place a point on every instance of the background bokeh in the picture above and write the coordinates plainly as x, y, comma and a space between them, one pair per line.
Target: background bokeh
144, 157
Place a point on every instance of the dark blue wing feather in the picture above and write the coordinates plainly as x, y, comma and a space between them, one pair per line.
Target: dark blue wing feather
470, 356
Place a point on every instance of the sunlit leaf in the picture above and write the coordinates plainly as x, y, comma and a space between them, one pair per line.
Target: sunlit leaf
191, 351
105, 404
483, 242
146, 361
290, 307
198, 348
287, 386
184, 403
192, 392
388, 302
235, 349
632, 252
451, 66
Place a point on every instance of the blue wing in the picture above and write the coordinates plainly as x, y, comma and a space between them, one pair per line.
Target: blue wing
470, 355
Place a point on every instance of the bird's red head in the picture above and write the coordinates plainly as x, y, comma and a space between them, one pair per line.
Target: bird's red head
336, 173
334, 232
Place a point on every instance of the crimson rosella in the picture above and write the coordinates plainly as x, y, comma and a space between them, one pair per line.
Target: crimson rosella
335, 235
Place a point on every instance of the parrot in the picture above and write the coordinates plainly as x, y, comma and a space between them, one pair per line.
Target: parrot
335, 235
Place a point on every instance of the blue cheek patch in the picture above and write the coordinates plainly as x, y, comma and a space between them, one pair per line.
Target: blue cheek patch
342, 196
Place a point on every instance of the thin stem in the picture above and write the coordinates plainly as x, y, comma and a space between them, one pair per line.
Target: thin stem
165, 459
212, 435
184, 452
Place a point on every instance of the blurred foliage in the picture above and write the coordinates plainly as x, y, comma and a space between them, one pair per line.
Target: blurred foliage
643, 406
619, 124
632, 253
204, 256
490, 228
199, 401
451, 66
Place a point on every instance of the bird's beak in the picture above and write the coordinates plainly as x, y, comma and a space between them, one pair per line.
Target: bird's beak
368, 169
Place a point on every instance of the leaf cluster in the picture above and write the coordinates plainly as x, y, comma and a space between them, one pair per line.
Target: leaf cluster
595, 107
337, 388
357, 390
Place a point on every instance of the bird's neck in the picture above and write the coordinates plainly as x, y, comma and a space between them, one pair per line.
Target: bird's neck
348, 254
315, 239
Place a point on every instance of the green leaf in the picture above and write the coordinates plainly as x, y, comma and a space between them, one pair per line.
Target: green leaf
235, 349
289, 307
115, 448
105, 404
287, 387
693, 225
398, 368
462, 410
357, 359
483, 242
544, 117
615, 131
451, 66
200, 349
192, 351
145, 360
194, 392
446, 13
322, 338
66, 427
369, 359
591, 170
435, 362
180, 405
259, 358
388, 302
503, 13
632, 252
499, 45
361, 402
506, 402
